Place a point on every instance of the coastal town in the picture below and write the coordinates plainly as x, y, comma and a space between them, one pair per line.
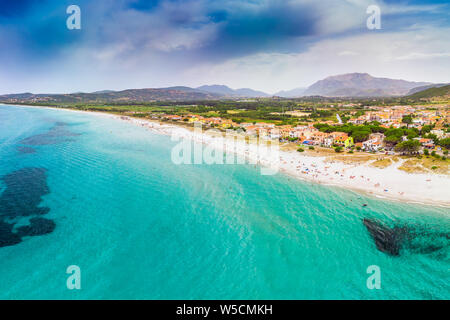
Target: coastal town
388, 130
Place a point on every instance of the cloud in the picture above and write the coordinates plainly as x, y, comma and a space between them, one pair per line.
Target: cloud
422, 55
375, 53
253, 43
348, 53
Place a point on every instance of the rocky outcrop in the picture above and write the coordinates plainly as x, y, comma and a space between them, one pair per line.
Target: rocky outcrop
388, 240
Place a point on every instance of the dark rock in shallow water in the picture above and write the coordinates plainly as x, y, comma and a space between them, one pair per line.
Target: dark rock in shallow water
23, 194
388, 240
7, 237
37, 227
21, 198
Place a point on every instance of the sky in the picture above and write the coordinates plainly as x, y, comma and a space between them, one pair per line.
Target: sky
267, 45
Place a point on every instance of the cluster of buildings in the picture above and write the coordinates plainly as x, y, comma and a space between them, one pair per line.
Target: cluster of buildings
393, 116
310, 136
192, 118
307, 135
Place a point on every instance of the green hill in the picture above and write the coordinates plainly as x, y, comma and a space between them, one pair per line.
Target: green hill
440, 92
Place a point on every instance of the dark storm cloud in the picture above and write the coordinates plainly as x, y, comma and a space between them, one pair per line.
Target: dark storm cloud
15, 8
253, 28
37, 28
135, 39
235, 28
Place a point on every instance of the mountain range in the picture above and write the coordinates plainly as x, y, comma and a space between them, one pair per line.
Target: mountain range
361, 85
227, 91
441, 92
345, 85
422, 88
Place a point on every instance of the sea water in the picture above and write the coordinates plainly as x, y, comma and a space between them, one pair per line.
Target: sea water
106, 197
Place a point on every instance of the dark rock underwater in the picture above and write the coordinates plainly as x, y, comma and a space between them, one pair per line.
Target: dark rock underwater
21, 199
415, 239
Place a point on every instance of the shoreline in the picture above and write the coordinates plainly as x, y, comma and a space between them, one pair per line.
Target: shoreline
382, 183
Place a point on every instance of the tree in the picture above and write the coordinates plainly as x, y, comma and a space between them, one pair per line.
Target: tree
408, 146
407, 119
426, 129
361, 135
445, 143
393, 136
392, 140
394, 132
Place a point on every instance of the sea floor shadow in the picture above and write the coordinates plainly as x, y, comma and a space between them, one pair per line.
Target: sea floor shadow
401, 238
21, 198
57, 134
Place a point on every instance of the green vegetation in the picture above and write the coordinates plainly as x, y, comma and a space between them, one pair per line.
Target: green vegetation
431, 93
393, 136
358, 133
408, 146
407, 119
445, 143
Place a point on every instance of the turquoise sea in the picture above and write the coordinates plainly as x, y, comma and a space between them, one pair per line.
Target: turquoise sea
87, 190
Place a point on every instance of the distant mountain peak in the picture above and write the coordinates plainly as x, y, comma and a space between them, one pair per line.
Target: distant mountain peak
359, 84
227, 91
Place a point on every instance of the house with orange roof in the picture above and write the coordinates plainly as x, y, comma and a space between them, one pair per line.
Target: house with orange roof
319, 137
251, 130
372, 145
427, 143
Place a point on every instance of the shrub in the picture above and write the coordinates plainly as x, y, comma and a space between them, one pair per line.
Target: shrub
358, 148
338, 149
434, 168
426, 152
300, 149
311, 148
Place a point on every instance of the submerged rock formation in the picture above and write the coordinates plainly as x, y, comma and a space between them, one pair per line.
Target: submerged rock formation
21, 199
417, 239
388, 240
